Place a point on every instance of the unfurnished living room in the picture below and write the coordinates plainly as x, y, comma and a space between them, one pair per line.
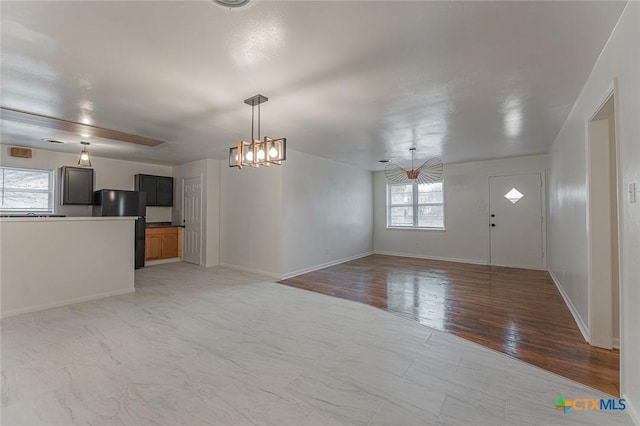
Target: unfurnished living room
256, 212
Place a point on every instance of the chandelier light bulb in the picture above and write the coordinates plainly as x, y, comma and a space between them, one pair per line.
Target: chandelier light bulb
273, 152
249, 156
84, 156
261, 155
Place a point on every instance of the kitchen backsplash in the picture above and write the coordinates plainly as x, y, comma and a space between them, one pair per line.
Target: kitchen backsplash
159, 214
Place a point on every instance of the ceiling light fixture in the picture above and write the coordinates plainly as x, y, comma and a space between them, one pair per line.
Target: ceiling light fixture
232, 3
430, 171
257, 152
85, 157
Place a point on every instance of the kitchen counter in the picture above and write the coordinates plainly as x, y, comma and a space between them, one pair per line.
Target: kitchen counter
163, 225
63, 218
54, 261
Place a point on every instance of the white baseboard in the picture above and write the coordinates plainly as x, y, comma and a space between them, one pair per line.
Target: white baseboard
266, 274
419, 256
576, 316
162, 261
66, 302
635, 417
325, 265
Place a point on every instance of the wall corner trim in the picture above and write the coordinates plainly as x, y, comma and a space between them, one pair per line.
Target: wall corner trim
635, 417
576, 316
325, 265
444, 259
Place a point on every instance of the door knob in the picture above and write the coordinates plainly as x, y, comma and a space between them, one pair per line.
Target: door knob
493, 215
493, 224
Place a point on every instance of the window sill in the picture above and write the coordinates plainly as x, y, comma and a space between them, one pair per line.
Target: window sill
26, 214
412, 228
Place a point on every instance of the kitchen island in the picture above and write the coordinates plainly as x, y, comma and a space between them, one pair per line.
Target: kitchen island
53, 261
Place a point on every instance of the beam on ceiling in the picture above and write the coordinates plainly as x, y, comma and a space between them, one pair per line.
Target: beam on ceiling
40, 120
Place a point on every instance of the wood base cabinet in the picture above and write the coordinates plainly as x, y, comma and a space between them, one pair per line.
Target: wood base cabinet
162, 243
152, 245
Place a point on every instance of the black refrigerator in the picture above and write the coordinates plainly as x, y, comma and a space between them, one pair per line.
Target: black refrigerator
112, 202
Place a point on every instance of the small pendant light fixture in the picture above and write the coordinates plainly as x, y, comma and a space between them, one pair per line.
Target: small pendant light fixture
85, 157
258, 152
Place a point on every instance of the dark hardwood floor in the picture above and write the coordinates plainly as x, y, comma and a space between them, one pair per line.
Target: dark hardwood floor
515, 311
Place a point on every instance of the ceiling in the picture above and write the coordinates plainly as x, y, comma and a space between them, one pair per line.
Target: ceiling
351, 81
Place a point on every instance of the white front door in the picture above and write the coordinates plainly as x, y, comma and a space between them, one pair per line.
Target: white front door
516, 221
192, 202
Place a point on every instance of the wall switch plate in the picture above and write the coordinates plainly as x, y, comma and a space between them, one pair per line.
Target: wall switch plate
632, 193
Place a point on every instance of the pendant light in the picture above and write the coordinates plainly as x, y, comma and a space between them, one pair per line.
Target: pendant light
85, 157
258, 152
429, 171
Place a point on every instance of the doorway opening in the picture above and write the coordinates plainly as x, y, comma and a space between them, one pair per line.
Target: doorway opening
603, 229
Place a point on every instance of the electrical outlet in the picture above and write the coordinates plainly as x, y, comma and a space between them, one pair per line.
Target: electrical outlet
632, 193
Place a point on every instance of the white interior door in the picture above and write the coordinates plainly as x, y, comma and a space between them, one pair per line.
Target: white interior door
192, 217
516, 221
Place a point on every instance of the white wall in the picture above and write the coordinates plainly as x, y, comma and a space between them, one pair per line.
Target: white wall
466, 196
567, 228
209, 171
52, 262
327, 213
109, 174
251, 219
213, 213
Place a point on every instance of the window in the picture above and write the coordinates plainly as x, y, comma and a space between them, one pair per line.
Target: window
415, 205
26, 190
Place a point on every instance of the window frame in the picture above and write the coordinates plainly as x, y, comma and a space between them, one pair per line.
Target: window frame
50, 191
415, 206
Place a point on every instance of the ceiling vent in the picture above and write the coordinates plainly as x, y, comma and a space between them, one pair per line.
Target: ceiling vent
55, 141
232, 3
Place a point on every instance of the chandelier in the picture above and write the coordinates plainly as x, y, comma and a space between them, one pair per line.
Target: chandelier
429, 171
258, 152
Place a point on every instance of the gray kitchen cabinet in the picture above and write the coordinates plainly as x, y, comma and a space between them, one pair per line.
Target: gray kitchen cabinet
76, 186
159, 189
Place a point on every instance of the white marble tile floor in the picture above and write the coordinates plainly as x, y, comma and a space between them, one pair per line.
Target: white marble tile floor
195, 346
